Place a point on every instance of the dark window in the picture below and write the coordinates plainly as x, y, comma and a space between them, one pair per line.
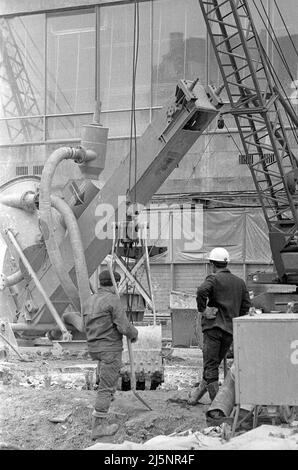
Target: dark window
246, 159
37, 169
21, 170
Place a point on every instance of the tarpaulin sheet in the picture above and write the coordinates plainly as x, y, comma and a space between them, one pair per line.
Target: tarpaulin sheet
257, 241
220, 228
189, 235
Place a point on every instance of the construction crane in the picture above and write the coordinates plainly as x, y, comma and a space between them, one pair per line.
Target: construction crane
18, 98
267, 126
17, 94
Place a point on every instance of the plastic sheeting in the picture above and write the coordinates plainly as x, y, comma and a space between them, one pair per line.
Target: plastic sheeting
189, 235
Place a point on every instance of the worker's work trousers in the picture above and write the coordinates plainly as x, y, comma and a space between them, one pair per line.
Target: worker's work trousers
216, 344
109, 365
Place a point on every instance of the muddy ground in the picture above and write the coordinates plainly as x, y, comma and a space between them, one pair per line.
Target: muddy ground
45, 403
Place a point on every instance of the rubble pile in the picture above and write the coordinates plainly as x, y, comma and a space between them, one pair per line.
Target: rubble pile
78, 377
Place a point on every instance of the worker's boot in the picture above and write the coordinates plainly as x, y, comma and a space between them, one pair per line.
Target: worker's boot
197, 393
101, 426
212, 390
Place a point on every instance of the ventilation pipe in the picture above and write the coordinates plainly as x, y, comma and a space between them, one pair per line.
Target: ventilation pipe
47, 223
25, 201
91, 159
77, 246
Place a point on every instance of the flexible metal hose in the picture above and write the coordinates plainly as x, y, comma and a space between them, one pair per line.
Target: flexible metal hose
77, 246
46, 222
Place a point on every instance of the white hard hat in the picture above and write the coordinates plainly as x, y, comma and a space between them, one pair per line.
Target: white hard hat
219, 254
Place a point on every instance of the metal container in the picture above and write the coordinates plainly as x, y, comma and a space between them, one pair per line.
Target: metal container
266, 359
185, 320
25, 224
94, 140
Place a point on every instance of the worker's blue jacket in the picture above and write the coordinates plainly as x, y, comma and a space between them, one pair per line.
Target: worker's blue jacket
106, 322
228, 293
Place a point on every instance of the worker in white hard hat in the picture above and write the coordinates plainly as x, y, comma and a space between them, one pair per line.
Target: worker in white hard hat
220, 298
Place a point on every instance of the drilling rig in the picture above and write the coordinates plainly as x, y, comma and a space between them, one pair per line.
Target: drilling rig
56, 242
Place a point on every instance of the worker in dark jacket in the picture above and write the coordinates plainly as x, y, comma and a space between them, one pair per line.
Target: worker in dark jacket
105, 323
221, 297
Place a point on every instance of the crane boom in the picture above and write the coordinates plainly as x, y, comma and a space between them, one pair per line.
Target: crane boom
166, 140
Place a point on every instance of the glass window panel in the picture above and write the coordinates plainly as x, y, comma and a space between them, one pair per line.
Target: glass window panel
286, 12
179, 42
22, 45
16, 131
116, 57
67, 127
71, 62
119, 122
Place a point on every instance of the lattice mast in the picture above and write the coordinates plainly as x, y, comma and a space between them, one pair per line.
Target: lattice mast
258, 108
17, 95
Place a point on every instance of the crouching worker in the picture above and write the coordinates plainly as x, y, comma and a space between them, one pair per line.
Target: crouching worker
105, 323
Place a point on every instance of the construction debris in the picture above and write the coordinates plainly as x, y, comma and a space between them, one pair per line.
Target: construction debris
59, 403
263, 437
60, 418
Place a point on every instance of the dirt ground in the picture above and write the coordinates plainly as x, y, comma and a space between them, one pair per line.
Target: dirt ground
38, 413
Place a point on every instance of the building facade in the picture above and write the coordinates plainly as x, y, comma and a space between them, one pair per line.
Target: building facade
58, 58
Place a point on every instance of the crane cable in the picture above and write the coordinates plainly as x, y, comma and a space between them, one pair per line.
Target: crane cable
277, 80
274, 74
133, 127
213, 133
271, 67
286, 28
133, 139
275, 40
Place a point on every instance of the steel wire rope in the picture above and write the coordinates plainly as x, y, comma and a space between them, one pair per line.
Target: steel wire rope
273, 72
271, 67
133, 125
213, 133
135, 76
269, 63
277, 80
275, 41
286, 28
